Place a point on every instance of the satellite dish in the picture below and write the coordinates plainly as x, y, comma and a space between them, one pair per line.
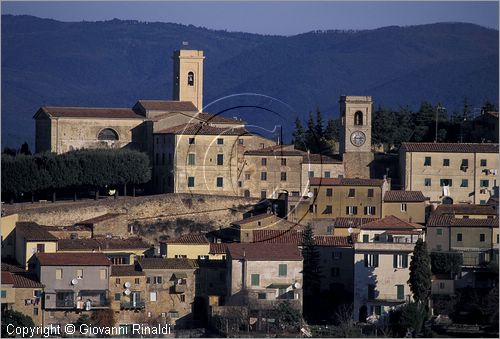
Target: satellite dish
350, 230
127, 284
297, 285
127, 292
310, 194
74, 281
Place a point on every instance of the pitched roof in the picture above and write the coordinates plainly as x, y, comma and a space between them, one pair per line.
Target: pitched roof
34, 232
313, 158
219, 248
101, 244
167, 263
333, 240
6, 267
77, 245
277, 150
345, 182
89, 112
404, 196
449, 147
191, 238
167, 105
126, 270
7, 278
203, 129
99, 218
346, 222
73, 259
264, 252
390, 223
218, 119
277, 237
274, 221
437, 220
25, 281
465, 209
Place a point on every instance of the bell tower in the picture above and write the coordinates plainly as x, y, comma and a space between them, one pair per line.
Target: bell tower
356, 135
188, 76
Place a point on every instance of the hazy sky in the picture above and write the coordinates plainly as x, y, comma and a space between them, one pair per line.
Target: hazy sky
284, 18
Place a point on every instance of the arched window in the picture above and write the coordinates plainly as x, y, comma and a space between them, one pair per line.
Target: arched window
190, 79
107, 134
358, 118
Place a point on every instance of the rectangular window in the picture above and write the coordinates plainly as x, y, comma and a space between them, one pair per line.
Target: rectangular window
137, 281
79, 274
337, 255
59, 273
102, 274
371, 260
191, 141
400, 261
282, 270
118, 281
446, 162
335, 271
484, 183
263, 194
378, 310
220, 182
3, 293
255, 279
263, 176
465, 164
441, 285
365, 238
328, 209
370, 210
427, 182
327, 174
427, 161
220, 159
241, 142
118, 296
190, 181
459, 236
329, 192
352, 193
310, 174
400, 292
483, 162
35, 311
220, 141
40, 248
247, 176
191, 159
152, 296
404, 207
482, 237
263, 162
283, 176
439, 231
464, 183
445, 182
183, 298
351, 210
370, 193
262, 296
173, 314
283, 161
376, 237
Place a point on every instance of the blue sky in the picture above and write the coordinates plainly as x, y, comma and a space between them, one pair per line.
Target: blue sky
283, 18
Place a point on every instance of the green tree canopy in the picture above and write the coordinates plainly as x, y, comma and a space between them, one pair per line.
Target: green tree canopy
420, 273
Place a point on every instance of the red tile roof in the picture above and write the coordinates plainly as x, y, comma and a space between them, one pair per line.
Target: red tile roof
313, 158
167, 105
26, 281
277, 150
465, 209
390, 223
31, 231
437, 220
264, 252
203, 129
346, 222
98, 219
218, 119
102, 244
333, 240
7, 278
6, 267
404, 196
449, 147
167, 263
345, 182
89, 112
77, 245
126, 270
191, 238
277, 237
217, 248
73, 259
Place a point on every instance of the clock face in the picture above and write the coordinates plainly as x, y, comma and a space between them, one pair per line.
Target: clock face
358, 138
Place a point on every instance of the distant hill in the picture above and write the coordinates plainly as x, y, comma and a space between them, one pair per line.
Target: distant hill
114, 63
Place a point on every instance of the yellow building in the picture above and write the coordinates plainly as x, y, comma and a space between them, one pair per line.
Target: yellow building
32, 238
409, 206
450, 172
9, 236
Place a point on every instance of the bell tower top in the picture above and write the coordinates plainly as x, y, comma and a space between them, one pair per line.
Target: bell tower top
356, 119
188, 76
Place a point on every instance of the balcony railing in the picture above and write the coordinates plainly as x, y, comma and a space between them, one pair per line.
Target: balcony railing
381, 246
130, 305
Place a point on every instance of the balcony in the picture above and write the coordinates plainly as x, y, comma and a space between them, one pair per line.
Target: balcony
132, 305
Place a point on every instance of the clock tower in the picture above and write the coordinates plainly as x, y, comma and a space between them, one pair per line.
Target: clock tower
356, 135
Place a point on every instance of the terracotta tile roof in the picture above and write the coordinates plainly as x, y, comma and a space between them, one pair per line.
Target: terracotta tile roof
101, 244
203, 129
390, 223
449, 147
167, 105
126, 270
273, 222
7, 278
167, 263
77, 245
98, 219
333, 241
73, 259
346, 222
313, 158
465, 209
403, 232
254, 218
345, 182
264, 252
437, 220
218, 119
89, 112
34, 232
191, 238
217, 248
277, 237
6, 267
26, 281
277, 150
404, 196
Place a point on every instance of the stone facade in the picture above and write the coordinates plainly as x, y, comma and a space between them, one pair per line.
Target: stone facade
188, 77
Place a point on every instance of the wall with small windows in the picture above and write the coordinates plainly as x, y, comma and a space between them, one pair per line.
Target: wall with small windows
408, 211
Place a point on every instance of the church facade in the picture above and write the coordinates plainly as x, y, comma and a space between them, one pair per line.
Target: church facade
194, 151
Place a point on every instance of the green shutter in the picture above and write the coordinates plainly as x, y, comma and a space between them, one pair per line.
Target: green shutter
282, 270
3, 294
255, 280
395, 261
400, 292
365, 237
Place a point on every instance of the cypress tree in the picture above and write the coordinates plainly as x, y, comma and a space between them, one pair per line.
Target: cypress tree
420, 273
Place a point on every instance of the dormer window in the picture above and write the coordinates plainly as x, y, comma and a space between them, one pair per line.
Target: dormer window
190, 79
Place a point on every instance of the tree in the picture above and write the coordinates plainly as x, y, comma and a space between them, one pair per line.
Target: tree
288, 317
299, 135
103, 318
420, 273
25, 149
18, 319
311, 272
407, 318
442, 262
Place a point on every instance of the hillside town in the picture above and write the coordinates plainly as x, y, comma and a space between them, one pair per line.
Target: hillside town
239, 234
